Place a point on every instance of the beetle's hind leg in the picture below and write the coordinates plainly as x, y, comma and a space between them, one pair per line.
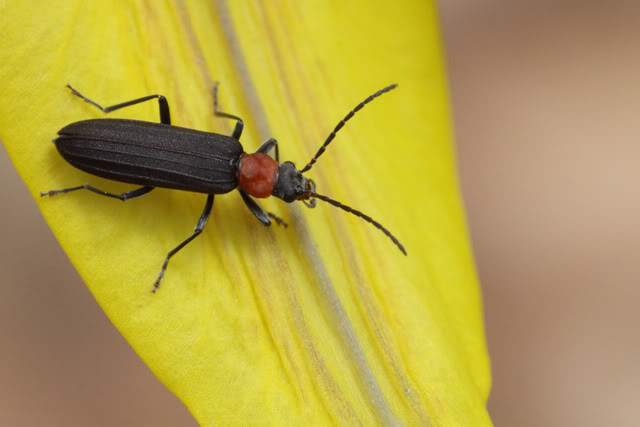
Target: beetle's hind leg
165, 116
124, 196
237, 131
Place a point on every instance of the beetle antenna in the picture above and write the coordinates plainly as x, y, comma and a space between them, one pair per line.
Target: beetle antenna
360, 214
343, 121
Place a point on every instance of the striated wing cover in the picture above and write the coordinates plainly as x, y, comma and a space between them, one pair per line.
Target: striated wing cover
153, 154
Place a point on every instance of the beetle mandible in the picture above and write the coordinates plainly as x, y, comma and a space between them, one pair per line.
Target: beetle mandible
162, 155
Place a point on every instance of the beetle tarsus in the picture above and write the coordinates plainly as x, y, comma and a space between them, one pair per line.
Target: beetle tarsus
156, 284
278, 220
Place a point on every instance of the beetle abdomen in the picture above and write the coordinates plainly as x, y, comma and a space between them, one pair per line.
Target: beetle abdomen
152, 154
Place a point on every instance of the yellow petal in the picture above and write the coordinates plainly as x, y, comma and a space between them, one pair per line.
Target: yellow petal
324, 322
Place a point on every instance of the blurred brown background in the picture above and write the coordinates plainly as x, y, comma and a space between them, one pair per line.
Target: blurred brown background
546, 96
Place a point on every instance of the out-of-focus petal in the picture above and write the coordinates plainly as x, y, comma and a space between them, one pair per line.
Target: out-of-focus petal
324, 322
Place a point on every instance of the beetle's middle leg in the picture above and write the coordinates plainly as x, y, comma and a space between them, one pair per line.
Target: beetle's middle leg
202, 222
124, 196
165, 116
237, 131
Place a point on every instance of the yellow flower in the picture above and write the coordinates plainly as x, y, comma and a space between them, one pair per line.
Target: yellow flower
324, 322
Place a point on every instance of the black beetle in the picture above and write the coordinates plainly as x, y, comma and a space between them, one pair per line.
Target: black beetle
160, 155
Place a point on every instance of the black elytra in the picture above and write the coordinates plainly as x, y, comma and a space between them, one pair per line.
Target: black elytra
162, 155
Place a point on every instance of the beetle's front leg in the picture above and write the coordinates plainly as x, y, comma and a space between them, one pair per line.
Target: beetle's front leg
260, 213
267, 146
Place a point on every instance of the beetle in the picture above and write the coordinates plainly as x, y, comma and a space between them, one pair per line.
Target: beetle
154, 155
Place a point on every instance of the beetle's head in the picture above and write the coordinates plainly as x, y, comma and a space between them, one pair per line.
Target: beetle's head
292, 186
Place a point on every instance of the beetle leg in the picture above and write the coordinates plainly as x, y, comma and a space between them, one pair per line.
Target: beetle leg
124, 196
165, 116
262, 215
237, 131
255, 208
202, 222
267, 146
277, 219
